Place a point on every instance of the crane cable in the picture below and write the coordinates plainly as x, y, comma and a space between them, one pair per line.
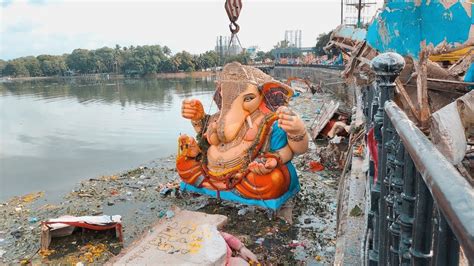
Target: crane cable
233, 8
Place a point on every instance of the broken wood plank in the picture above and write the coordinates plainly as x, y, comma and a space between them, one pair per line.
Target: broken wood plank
321, 120
404, 94
451, 81
422, 87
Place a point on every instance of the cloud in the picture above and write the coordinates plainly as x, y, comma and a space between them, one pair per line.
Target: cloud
5, 3
57, 27
21, 27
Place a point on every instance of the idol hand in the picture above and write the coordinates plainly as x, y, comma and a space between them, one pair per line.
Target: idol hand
289, 121
263, 168
192, 109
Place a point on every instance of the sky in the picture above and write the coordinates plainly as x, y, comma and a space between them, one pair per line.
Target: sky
34, 27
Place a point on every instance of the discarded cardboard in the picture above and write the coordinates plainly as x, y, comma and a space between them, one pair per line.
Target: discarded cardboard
188, 237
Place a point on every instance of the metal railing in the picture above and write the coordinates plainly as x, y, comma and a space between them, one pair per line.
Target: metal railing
421, 208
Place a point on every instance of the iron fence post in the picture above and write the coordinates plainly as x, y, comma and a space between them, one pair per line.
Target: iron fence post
446, 246
387, 67
407, 210
422, 231
396, 185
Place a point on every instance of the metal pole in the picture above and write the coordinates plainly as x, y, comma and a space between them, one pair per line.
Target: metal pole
421, 247
342, 12
446, 246
358, 13
407, 211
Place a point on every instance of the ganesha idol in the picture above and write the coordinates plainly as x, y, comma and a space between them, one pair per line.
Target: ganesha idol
243, 152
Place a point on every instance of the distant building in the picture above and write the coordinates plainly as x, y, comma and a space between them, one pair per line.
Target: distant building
225, 46
293, 37
252, 51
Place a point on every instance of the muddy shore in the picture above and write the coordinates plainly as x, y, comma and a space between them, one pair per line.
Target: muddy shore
135, 195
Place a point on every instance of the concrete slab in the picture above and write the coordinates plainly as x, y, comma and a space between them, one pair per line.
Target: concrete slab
187, 238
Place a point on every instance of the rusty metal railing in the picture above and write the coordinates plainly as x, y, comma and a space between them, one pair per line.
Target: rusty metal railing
421, 208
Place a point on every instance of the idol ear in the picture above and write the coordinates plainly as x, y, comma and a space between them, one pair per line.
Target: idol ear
275, 94
218, 97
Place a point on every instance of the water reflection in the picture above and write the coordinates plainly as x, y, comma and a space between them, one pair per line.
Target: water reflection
56, 133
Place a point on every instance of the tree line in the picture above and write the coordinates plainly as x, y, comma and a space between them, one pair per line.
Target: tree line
139, 60
132, 60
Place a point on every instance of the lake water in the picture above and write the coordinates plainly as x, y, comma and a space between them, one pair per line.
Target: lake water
54, 134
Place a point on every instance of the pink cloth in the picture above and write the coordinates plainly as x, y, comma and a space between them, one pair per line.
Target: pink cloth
372, 145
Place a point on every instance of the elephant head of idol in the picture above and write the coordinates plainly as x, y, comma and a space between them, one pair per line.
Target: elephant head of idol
242, 92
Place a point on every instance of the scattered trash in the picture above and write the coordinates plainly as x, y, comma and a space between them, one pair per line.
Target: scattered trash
259, 241
46, 252
92, 252
32, 220
335, 140
246, 210
315, 166
296, 243
28, 198
169, 214
164, 191
356, 211
161, 214
16, 233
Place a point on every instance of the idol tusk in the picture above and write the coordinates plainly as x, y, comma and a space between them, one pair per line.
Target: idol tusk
249, 121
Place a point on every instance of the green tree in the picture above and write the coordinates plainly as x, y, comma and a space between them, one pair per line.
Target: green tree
282, 44
321, 42
3, 64
262, 56
81, 60
52, 65
243, 58
16, 68
167, 51
209, 59
105, 59
33, 66
184, 61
